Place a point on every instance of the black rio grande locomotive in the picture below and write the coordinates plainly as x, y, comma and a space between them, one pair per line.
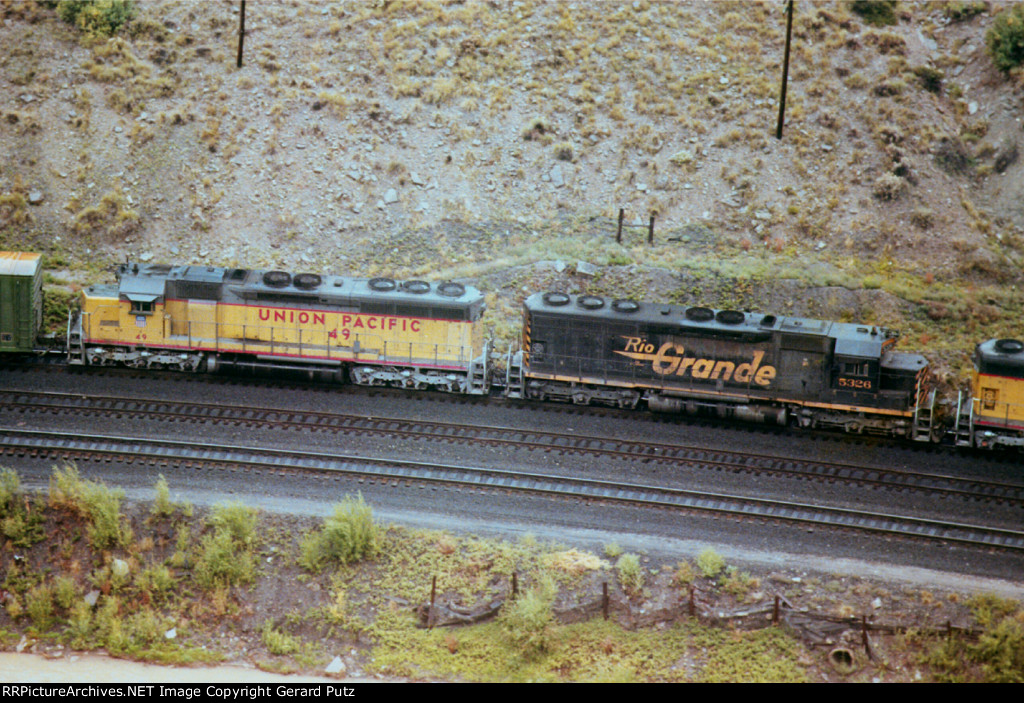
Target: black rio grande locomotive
764, 368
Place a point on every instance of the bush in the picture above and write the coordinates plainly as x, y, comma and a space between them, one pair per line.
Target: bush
998, 653
21, 527
277, 642
226, 557
10, 489
96, 17
1005, 38
710, 563
564, 151
960, 11
162, 506
1006, 155
876, 12
39, 606
889, 187
100, 505
347, 536
631, 574
529, 620
931, 78
221, 563
952, 156
237, 520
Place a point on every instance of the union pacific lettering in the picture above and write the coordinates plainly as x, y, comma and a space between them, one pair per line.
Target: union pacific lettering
380, 323
377, 323
302, 317
670, 360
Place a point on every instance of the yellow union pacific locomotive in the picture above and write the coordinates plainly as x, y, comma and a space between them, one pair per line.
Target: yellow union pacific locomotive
991, 414
380, 331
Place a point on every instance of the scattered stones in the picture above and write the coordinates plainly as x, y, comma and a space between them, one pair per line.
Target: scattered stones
556, 176
336, 667
683, 156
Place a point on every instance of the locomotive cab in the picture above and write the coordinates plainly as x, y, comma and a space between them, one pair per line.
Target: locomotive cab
995, 413
856, 360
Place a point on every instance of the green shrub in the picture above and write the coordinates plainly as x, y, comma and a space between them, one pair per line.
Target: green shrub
80, 627
931, 78
876, 12
162, 505
10, 489
1000, 651
348, 535
277, 642
65, 592
100, 505
529, 620
96, 17
237, 520
157, 581
564, 151
39, 606
710, 563
960, 11
685, 575
222, 563
55, 308
19, 525
998, 654
631, 574
226, 557
1005, 38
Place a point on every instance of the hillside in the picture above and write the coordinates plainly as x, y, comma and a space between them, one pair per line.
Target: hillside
490, 141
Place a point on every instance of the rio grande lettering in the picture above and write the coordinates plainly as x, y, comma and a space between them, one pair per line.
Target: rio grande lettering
670, 360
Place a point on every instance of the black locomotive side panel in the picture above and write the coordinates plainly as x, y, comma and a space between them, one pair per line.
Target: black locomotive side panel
624, 352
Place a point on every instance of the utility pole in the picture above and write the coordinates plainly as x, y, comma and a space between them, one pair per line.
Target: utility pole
241, 33
785, 68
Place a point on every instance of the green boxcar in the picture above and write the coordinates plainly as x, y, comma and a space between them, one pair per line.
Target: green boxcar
21, 300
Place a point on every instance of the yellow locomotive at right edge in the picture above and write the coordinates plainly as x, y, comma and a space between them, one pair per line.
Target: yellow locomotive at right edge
991, 414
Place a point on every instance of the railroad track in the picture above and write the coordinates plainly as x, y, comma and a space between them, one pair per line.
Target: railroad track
648, 452
69, 446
